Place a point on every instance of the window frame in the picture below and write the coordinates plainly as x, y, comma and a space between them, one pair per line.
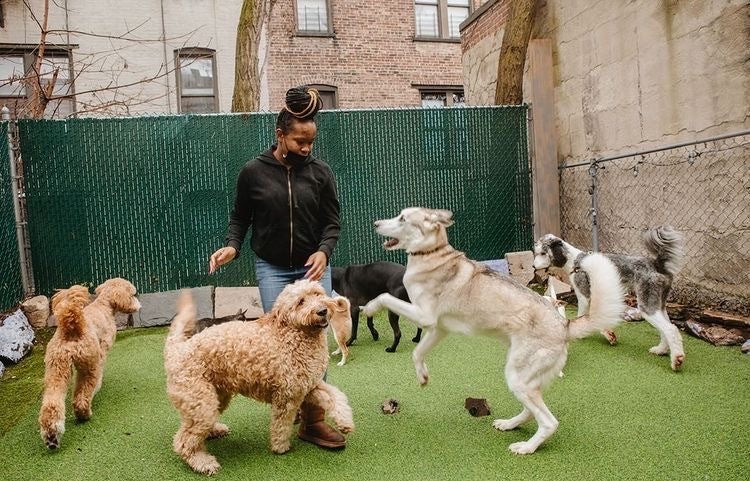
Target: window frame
26, 52
443, 28
314, 33
199, 53
448, 90
327, 88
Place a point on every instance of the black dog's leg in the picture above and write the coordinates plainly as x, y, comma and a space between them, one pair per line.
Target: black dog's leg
373, 331
355, 324
393, 319
418, 336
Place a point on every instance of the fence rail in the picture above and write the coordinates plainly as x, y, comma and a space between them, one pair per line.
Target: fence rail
148, 198
701, 188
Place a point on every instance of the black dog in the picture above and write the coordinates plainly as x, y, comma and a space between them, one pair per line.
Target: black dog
364, 282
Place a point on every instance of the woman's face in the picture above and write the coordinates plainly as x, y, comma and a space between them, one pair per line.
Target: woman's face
299, 139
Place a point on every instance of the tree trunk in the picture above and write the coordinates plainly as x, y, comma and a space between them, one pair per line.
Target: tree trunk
509, 89
246, 95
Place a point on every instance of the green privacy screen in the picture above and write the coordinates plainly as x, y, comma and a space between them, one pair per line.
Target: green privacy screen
148, 198
11, 287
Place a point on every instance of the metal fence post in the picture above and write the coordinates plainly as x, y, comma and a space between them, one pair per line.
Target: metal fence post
594, 210
28, 285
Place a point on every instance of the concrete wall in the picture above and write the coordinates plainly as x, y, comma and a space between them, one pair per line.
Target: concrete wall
629, 75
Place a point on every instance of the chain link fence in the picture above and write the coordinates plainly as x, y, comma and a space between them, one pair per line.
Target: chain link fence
148, 198
11, 284
700, 188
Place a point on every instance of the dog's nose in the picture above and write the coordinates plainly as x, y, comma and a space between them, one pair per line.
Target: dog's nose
322, 312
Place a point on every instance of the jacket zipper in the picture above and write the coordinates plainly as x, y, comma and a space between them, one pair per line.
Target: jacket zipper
291, 220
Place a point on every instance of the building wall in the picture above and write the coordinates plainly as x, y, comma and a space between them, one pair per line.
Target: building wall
100, 62
372, 59
628, 75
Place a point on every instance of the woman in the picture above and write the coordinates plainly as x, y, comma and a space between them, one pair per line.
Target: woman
289, 198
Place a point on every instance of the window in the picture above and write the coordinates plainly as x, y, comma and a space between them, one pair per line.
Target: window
442, 96
328, 94
17, 63
196, 80
313, 17
440, 18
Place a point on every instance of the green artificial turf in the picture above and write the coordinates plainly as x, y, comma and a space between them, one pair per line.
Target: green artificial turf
623, 415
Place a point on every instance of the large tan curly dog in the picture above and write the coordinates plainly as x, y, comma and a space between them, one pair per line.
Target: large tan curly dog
85, 333
278, 359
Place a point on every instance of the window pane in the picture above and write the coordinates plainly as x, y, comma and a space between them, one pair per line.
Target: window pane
456, 15
11, 69
196, 76
458, 3
197, 105
62, 66
427, 20
312, 15
329, 100
433, 99
458, 99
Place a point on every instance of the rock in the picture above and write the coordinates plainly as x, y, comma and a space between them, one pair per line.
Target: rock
497, 265
477, 407
16, 337
521, 266
159, 308
746, 347
559, 286
716, 335
230, 300
37, 311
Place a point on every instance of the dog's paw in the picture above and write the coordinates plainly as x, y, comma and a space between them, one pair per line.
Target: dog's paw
659, 350
51, 440
375, 335
281, 448
371, 308
522, 447
677, 362
390, 349
351, 341
336, 352
341, 362
218, 431
83, 414
204, 463
503, 425
422, 374
610, 336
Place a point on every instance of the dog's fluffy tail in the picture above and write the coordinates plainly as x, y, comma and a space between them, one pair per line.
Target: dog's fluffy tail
607, 297
666, 245
183, 323
67, 306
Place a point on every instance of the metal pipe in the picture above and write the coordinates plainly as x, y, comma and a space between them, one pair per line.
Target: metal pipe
594, 211
28, 288
660, 149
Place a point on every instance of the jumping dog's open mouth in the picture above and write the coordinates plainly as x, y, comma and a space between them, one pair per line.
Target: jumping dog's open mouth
390, 243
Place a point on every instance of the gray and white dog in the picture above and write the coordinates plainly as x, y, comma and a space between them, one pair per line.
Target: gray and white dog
649, 277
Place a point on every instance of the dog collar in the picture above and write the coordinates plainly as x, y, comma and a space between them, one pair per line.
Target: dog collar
424, 253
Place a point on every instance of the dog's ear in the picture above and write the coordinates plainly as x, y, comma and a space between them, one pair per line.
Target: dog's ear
557, 252
342, 303
441, 216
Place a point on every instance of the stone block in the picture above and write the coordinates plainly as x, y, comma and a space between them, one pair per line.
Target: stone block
36, 310
16, 337
158, 309
520, 266
559, 286
229, 300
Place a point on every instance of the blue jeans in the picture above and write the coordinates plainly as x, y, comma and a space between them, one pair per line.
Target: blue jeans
272, 279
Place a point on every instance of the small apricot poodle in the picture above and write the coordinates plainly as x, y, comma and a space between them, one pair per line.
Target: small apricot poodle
85, 333
279, 359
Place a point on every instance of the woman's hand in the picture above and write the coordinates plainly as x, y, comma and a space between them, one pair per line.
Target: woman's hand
317, 266
221, 257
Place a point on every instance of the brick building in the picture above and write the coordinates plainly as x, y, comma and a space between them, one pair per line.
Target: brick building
389, 53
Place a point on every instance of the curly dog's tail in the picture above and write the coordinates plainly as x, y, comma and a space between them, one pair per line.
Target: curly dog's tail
667, 247
607, 297
183, 323
67, 306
